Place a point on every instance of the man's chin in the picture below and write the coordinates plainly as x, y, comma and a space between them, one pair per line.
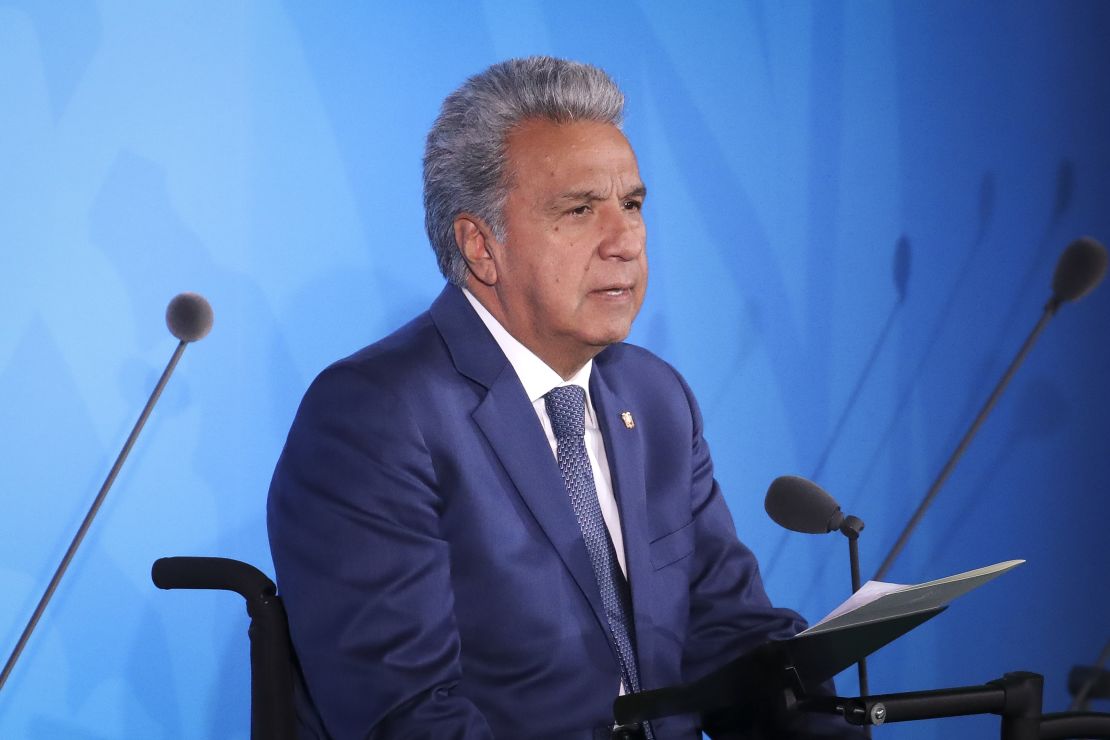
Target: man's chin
611, 335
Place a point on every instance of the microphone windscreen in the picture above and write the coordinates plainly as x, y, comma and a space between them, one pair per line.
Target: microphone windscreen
802, 506
189, 317
1080, 268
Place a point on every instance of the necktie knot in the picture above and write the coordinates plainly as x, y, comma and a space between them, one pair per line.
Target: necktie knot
566, 407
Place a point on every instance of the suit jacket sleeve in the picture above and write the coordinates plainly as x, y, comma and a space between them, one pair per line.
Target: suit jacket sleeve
730, 613
353, 517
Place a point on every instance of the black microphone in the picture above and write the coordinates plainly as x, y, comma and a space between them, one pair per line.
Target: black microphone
1080, 268
189, 318
801, 505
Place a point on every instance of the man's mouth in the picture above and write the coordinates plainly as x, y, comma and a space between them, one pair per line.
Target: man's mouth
615, 291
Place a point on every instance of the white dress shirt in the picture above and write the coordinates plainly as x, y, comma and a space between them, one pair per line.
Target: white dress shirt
538, 378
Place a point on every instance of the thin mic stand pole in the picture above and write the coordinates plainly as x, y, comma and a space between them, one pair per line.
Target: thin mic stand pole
77, 538
853, 554
851, 529
1049, 311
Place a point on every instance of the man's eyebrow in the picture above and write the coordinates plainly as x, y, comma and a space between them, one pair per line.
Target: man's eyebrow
640, 191
576, 195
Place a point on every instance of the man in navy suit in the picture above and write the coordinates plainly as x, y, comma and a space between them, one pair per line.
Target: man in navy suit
461, 556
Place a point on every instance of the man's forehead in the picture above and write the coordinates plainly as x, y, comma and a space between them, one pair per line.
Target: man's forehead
578, 157
544, 138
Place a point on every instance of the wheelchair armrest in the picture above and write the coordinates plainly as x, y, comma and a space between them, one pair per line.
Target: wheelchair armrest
222, 574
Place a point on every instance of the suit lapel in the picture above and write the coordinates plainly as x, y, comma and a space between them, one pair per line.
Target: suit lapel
508, 420
624, 449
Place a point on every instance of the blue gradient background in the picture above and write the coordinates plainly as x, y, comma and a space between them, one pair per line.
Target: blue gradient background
267, 155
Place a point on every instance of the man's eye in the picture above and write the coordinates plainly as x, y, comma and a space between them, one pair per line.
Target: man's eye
580, 210
633, 205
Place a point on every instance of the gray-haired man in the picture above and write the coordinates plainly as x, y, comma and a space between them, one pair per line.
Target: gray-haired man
494, 520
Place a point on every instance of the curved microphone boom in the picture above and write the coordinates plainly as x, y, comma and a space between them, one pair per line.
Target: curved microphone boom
801, 505
189, 318
1079, 270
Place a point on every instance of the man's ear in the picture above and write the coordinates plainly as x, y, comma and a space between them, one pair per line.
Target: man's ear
474, 240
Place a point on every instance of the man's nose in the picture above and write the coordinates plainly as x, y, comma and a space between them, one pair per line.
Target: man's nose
623, 233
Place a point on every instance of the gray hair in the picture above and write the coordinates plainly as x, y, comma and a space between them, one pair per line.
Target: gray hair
466, 153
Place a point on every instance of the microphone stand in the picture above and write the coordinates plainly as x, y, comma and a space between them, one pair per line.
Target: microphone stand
1016, 697
189, 318
850, 528
803, 506
1078, 271
1049, 311
84, 528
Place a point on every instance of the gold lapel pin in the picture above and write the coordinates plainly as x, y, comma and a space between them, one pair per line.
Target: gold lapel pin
629, 422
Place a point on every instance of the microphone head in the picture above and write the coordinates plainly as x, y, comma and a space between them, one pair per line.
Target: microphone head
189, 317
801, 505
1079, 269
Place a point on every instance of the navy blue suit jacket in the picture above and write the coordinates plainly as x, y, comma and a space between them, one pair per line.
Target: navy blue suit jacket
436, 581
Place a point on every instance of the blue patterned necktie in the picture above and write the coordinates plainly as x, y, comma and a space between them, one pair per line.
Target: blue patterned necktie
566, 407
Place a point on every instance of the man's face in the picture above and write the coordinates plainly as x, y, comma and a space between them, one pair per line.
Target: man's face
572, 271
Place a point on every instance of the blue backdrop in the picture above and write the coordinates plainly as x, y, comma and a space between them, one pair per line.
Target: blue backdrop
855, 213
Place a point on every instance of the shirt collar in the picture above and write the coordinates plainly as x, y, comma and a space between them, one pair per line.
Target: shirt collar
535, 375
